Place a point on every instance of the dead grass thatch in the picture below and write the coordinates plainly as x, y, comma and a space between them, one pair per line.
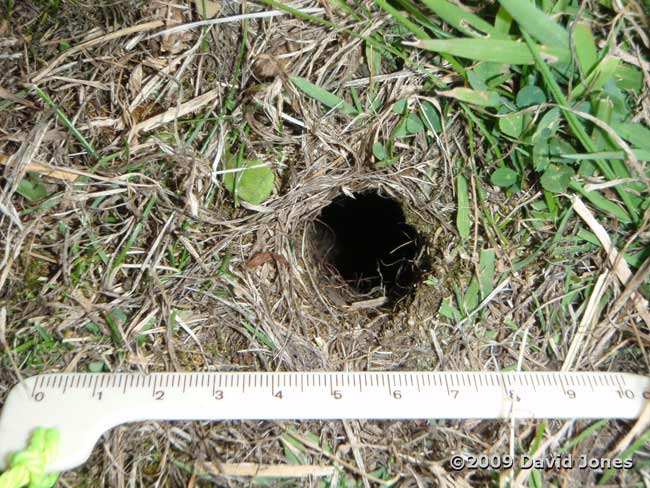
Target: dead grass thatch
136, 259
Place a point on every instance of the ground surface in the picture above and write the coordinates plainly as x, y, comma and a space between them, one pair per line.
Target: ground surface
125, 246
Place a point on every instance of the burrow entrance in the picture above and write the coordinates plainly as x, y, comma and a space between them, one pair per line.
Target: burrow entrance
365, 238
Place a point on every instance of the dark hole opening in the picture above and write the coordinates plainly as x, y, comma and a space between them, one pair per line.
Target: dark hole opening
371, 245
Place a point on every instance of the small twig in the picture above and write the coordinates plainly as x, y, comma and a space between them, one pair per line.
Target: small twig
267, 470
232, 18
333, 457
154, 24
44, 169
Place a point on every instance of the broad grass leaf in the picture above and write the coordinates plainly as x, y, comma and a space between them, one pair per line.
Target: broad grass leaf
253, 185
482, 98
32, 189
476, 81
400, 106
603, 72
512, 125
486, 271
530, 95
492, 50
629, 78
549, 149
414, 124
408, 126
634, 133
489, 71
379, 151
504, 177
557, 178
541, 155
548, 125
534, 21
448, 310
503, 21
430, 117
585, 47
323, 96
611, 91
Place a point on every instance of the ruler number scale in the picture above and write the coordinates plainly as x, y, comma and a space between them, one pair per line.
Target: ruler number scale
83, 406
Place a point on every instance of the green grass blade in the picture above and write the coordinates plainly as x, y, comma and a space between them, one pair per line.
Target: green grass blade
636, 134
464, 21
585, 47
134, 234
604, 71
503, 21
539, 25
582, 435
482, 98
259, 335
629, 78
640, 154
578, 129
418, 14
402, 19
602, 203
463, 219
66, 121
323, 96
627, 453
486, 264
491, 50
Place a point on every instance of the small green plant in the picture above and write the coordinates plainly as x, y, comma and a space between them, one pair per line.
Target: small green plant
250, 180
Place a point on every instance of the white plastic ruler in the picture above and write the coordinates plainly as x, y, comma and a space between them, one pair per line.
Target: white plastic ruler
84, 406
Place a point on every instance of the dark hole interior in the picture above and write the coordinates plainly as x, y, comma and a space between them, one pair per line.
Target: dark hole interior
371, 245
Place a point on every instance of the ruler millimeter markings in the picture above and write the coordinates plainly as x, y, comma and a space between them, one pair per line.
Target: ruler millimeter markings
85, 405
